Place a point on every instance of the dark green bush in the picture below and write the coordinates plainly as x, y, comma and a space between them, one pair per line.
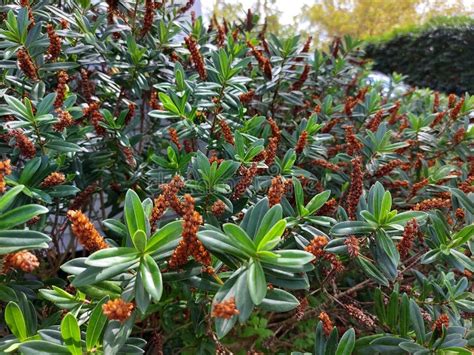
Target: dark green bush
439, 55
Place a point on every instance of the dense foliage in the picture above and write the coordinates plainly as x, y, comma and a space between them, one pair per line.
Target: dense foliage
168, 187
438, 55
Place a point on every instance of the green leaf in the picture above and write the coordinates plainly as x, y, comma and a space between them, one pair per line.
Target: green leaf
342, 229
417, 321
20, 215
404, 315
111, 256
318, 201
263, 225
273, 236
16, 321
41, 347
134, 214
139, 240
9, 196
256, 282
151, 277
278, 300
164, 235
369, 268
347, 342
14, 240
96, 324
240, 236
299, 197
71, 334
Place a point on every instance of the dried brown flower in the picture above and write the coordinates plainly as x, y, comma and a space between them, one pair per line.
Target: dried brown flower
356, 187
21, 260
117, 309
326, 321
325, 164
196, 57
86, 85
26, 64
353, 246
409, 233
245, 98
218, 208
83, 197
276, 191
360, 315
456, 109
174, 137
374, 124
148, 17
302, 140
61, 88
353, 144
297, 85
459, 136
24, 144
53, 179
387, 168
316, 246
263, 62
226, 131
85, 232
54, 49
443, 319
225, 309
245, 181
433, 203
5, 169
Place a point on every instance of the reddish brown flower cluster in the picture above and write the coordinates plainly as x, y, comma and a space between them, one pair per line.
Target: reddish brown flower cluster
65, 120
129, 157
54, 49
153, 102
328, 209
168, 198
111, 10
325, 164
263, 62
245, 98
418, 186
327, 323
26, 64
226, 309
353, 247
460, 214
433, 203
148, 17
409, 233
130, 113
85, 231
330, 125
226, 131
317, 245
349, 105
443, 319
301, 309
359, 314
353, 145
24, 144
190, 244
459, 136
374, 123
387, 168
456, 109
64, 24
436, 101
451, 100
22, 260
117, 309
83, 197
468, 185
86, 85
218, 208
95, 117
438, 118
355, 190
26, 4
53, 179
302, 140
393, 111
245, 181
63, 79
276, 191
220, 38
305, 49
297, 85
196, 57
5, 169
174, 137
186, 7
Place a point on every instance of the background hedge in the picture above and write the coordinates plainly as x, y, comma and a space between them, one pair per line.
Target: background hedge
439, 55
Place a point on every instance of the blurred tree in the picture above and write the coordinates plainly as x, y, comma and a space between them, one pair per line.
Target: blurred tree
365, 18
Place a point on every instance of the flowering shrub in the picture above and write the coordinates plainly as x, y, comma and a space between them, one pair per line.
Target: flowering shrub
169, 188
